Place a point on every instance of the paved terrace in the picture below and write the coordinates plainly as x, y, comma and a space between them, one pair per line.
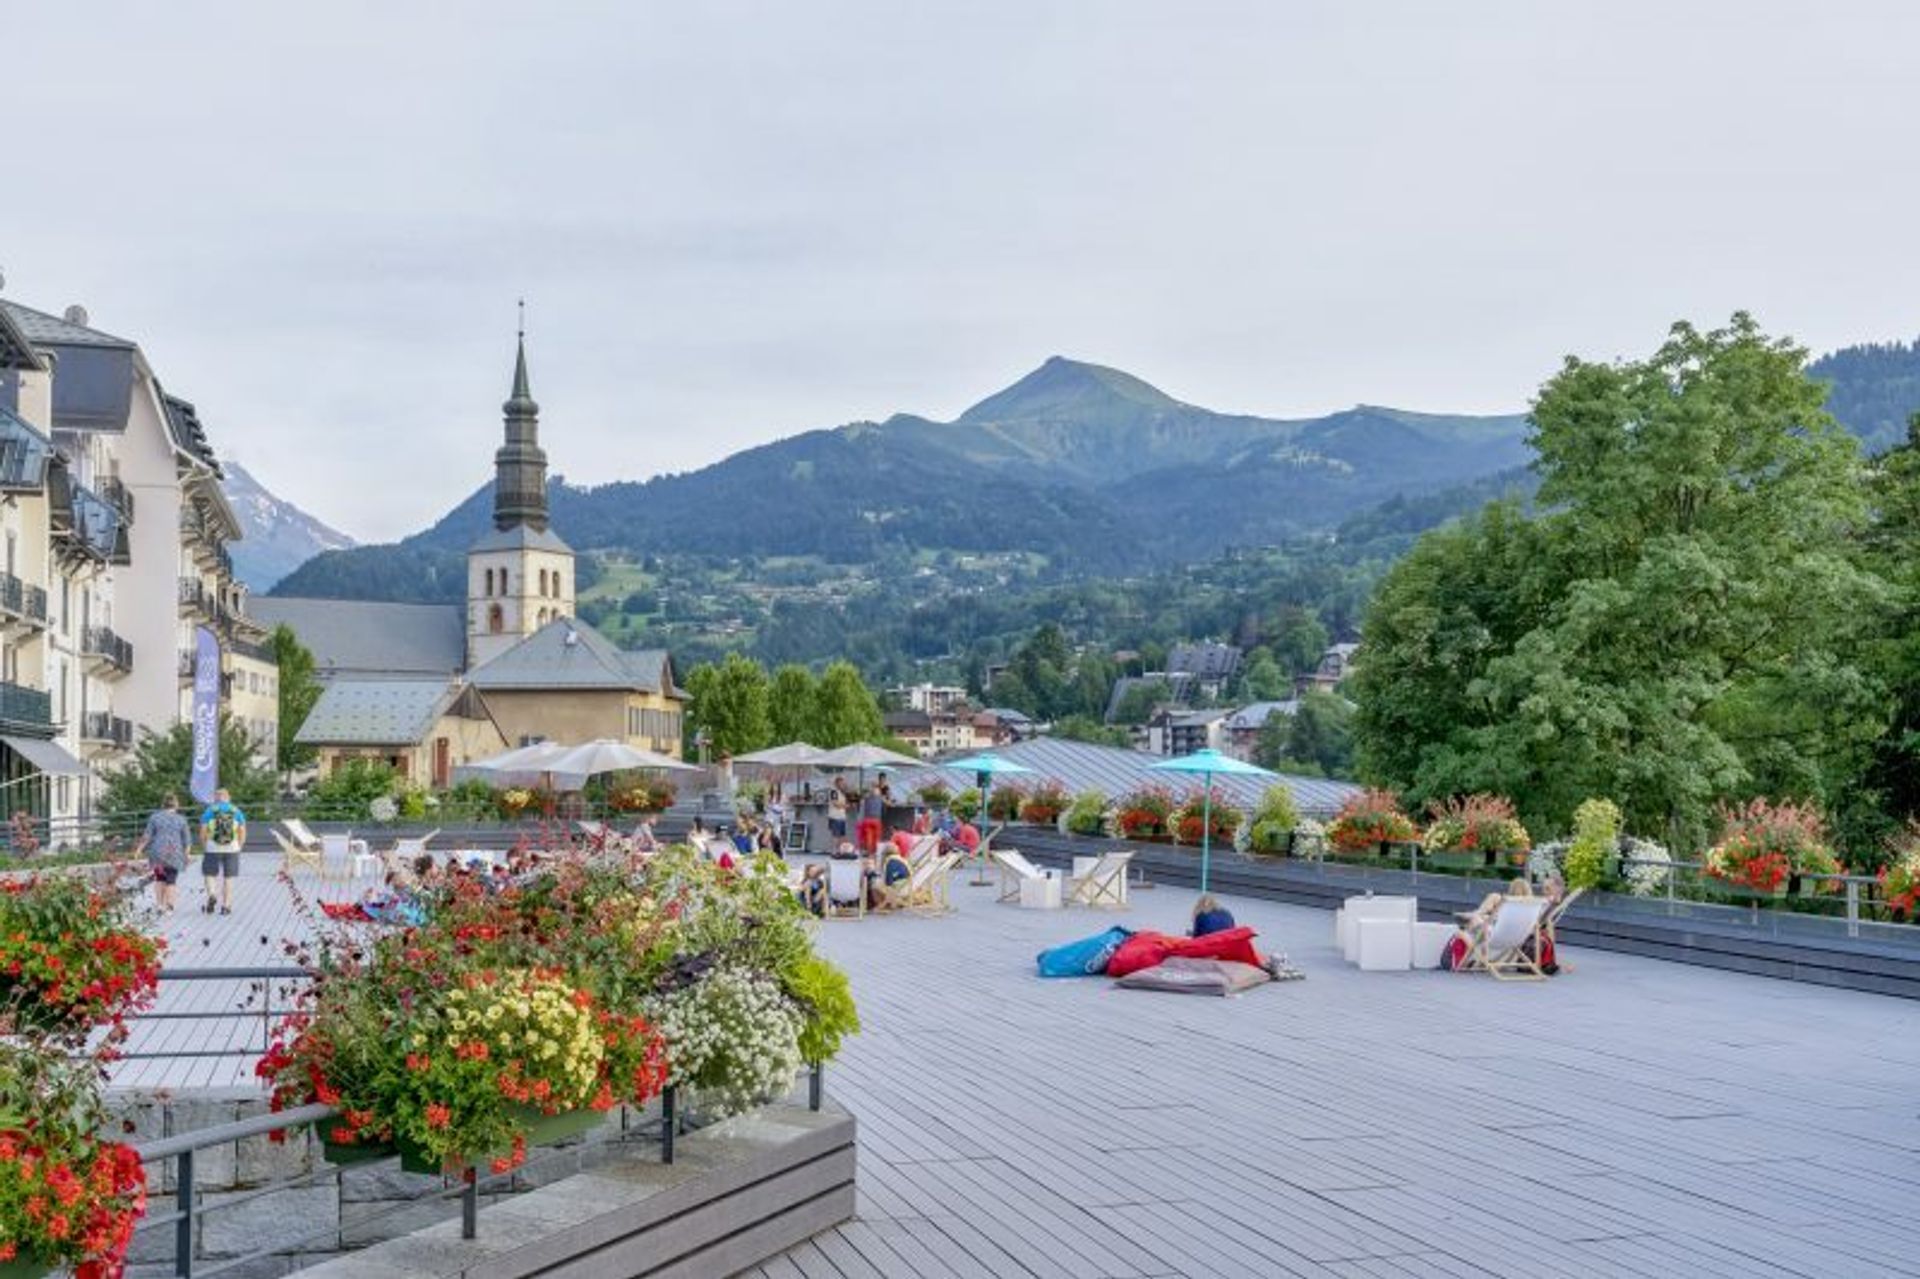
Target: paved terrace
1631, 1117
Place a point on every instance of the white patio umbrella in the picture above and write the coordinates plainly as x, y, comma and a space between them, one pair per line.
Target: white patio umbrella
792, 755
865, 755
610, 755
1207, 763
986, 765
533, 758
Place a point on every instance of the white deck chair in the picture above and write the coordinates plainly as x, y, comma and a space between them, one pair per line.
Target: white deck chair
1015, 870
295, 855
297, 831
1104, 884
406, 850
1501, 947
925, 889
846, 887
922, 848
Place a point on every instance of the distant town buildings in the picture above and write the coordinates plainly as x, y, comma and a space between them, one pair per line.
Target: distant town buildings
934, 699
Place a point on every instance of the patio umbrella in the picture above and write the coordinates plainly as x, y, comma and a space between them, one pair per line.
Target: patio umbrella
610, 755
986, 765
865, 755
792, 755
1208, 763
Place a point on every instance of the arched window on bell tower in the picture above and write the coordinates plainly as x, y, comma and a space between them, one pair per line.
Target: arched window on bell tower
496, 620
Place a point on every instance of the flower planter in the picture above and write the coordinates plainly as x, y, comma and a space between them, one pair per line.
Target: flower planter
1756, 894
542, 1130
1813, 886
24, 1267
360, 1152
1456, 859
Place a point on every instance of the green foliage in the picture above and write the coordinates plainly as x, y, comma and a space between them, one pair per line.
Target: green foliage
1262, 680
1085, 728
1137, 704
1682, 622
162, 763
1317, 740
965, 805
825, 998
845, 709
1274, 819
1596, 837
1298, 639
791, 701
299, 690
730, 704
1087, 815
345, 793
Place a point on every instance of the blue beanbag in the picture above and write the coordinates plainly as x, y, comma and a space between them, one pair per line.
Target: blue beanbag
1084, 958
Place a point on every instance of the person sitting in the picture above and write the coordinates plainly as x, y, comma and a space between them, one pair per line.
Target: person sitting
896, 869
1474, 923
1209, 916
745, 837
813, 889
966, 837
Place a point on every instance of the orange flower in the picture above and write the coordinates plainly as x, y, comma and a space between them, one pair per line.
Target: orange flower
438, 1116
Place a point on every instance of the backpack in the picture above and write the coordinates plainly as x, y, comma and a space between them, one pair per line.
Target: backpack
223, 829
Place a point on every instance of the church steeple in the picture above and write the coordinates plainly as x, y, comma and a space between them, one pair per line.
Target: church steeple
519, 466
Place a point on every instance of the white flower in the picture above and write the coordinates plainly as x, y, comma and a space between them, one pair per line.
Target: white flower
383, 809
1646, 866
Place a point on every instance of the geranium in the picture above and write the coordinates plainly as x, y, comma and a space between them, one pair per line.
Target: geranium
1368, 818
1193, 820
1044, 806
1476, 823
1763, 844
1004, 802
66, 1197
1144, 813
72, 959
1900, 878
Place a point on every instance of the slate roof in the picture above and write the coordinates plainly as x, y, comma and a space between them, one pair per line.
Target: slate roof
188, 435
521, 536
1253, 717
569, 654
50, 330
1113, 771
16, 348
1207, 659
376, 712
365, 637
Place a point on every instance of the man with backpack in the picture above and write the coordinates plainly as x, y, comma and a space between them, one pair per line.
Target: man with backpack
223, 831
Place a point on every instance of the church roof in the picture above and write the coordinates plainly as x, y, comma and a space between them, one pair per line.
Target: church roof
50, 330
377, 712
521, 537
565, 654
368, 637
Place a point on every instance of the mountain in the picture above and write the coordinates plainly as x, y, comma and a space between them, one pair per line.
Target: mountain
1090, 468
280, 537
1875, 389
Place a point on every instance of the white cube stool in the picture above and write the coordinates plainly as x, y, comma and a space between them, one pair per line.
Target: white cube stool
1042, 893
1357, 909
1386, 945
1430, 942
1340, 928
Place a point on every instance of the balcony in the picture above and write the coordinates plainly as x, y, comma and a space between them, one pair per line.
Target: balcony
20, 604
106, 652
27, 712
84, 526
120, 497
102, 728
195, 598
257, 652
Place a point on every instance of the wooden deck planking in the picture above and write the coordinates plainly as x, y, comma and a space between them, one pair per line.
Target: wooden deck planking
1632, 1117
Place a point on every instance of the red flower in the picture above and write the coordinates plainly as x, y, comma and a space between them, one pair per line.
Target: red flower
438, 1116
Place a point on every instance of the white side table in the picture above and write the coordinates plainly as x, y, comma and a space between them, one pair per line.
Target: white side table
1430, 942
1042, 893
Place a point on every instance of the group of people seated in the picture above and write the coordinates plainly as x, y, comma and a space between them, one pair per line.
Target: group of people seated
884, 868
1475, 923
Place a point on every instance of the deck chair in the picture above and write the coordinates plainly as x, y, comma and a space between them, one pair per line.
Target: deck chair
846, 888
1551, 919
342, 856
1500, 949
1104, 884
925, 889
921, 849
296, 855
1015, 870
401, 856
297, 831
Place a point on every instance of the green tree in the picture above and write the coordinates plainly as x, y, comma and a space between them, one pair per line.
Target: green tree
730, 704
1093, 680
1297, 639
1320, 733
299, 690
845, 709
346, 793
1262, 680
1139, 702
792, 704
1011, 692
1890, 782
162, 764
1680, 626
1085, 728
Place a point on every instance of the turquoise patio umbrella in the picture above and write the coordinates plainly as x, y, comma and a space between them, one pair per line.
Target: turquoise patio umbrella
990, 766
1209, 763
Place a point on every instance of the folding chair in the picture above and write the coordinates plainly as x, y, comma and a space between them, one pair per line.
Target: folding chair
295, 855
1500, 949
846, 888
1105, 884
1015, 870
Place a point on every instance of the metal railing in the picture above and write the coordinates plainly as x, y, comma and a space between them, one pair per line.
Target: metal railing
28, 710
103, 726
36, 604
101, 643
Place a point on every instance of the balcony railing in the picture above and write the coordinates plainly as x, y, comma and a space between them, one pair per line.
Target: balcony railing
101, 645
12, 596
120, 496
36, 604
26, 711
258, 652
195, 597
108, 729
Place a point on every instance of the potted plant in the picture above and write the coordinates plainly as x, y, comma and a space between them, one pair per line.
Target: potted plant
1274, 823
1003, 803
1593, 854
1368, 821
1764, 846
1474, 832
72, 958
1087, 815
1900, 878
965, 805
1145, 814
1195, 819
1044, 806
935, 794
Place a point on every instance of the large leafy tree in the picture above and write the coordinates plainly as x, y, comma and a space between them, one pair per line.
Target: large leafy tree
730, 703
1891, 780
299, 690
791, 703
162, 764
1316, 739
845, 709
1681, 625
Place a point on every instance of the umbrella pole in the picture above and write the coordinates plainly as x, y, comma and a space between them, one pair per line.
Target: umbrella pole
980, 853
1206, 831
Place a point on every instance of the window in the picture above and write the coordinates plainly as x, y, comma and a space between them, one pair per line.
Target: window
543, 581
489, 589
496, 620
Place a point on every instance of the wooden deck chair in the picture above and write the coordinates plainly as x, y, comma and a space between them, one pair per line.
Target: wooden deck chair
1500, 948
846, 888
923, 890
297, 831
400, 858
1015, 870
1104, 884
294, 855
921, 849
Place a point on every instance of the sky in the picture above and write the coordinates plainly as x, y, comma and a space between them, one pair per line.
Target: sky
733, 222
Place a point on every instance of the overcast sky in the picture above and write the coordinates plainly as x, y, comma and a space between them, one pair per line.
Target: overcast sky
734, 222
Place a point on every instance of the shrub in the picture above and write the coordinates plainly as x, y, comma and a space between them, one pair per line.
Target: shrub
1003, 803
1087, 815
1596, 835
965, 805
347, 793
1045, 805
935, 794
1145, 813
1369, 818
1762, 844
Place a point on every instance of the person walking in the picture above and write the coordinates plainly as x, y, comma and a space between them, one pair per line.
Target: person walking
165, 842
223, 832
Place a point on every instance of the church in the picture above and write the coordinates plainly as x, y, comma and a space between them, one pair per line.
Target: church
429, 687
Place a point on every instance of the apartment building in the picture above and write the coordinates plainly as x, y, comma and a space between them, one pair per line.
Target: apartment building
114, 531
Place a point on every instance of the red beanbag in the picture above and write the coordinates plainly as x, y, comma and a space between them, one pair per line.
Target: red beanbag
1146, 949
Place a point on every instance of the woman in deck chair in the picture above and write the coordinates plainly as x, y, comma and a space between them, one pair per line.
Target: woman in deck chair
1473, 924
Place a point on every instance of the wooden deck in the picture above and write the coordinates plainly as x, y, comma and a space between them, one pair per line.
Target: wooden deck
1631, 1117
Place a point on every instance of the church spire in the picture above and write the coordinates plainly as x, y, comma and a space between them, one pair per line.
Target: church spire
519, 466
